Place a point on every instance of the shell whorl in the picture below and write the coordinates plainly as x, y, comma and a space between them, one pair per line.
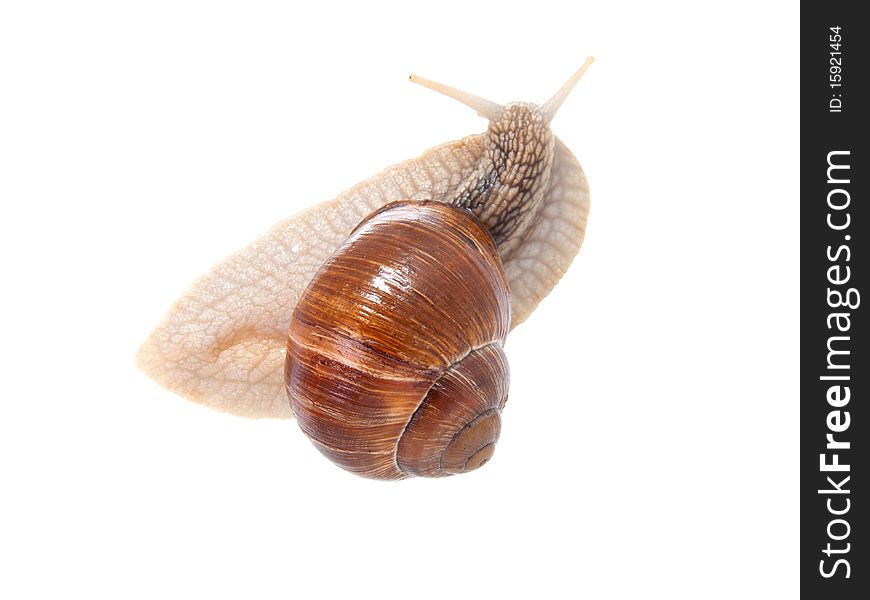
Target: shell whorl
394, 364
455, 428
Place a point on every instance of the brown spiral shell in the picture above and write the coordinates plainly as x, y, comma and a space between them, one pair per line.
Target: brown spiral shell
394, 364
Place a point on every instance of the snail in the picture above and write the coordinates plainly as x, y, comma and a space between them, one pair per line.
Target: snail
510, 205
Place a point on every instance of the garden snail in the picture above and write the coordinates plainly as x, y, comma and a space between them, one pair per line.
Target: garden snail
223, 343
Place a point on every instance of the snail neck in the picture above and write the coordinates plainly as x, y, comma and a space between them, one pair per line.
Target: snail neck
507, 187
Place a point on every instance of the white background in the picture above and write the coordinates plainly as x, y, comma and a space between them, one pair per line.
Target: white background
649, 449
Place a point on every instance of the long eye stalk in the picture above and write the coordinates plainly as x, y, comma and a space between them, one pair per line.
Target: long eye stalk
549, 108
491, 110
485, 108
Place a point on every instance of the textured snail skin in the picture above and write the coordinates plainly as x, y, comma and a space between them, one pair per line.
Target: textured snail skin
394, 362
222, 343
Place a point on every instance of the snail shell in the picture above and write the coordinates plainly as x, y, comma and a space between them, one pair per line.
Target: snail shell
394, 362
223, 342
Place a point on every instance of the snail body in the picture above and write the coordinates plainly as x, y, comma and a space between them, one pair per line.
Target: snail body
394, 363
224, 342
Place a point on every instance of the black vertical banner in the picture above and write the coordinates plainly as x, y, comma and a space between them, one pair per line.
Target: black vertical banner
835, 367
